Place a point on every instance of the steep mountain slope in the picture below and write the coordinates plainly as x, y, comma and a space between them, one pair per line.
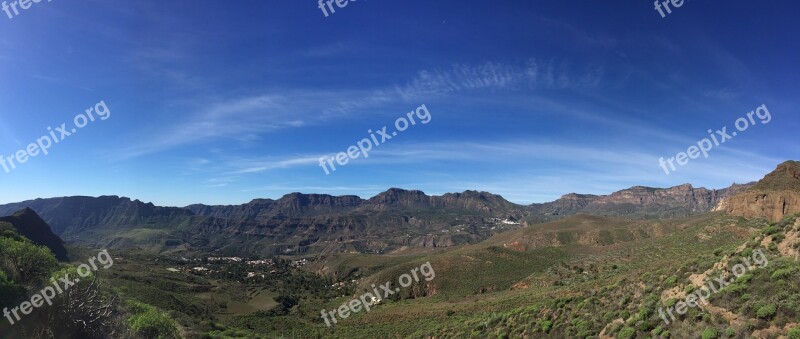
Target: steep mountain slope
72, 216
28, 224
392, 220
642, 202
773, 197
394, 199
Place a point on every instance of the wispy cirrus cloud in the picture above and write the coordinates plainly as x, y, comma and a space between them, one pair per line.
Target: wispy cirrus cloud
251, 116
526, 170
491, 75
234, 118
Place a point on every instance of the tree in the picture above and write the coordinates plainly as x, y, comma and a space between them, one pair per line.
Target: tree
26, 261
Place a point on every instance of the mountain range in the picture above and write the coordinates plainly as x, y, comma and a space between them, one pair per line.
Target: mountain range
395, 220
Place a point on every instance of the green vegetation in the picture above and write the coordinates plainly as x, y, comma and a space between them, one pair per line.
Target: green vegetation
86, 309
766, 312
147, 322
25, 261
710, 333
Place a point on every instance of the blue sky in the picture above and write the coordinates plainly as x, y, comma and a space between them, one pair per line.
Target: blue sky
220, 102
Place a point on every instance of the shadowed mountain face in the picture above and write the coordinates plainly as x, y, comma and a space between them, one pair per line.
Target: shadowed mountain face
773, 197
317, 223
28, 224
74, 218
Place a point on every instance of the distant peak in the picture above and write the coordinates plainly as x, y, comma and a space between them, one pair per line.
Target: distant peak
26, 212
578, 196
400, 191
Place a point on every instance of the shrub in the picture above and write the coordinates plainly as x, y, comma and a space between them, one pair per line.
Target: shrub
147, 322
671, 302
657, 330
782, 273
730, 332
26, 261
744, 279
766, 312
710, 333
626, 333
793, 333
546, 325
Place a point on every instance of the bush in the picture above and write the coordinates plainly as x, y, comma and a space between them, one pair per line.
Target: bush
710, 333
782, 273
546, 325
793, 333
626, 333
27, 262
730, 332
147, 322
766, 312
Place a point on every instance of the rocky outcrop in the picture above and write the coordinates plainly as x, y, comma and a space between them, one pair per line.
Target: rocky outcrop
640, 201
774, 197
568, 204
290, 205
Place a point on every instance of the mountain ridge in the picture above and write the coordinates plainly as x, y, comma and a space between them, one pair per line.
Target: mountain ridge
300, 223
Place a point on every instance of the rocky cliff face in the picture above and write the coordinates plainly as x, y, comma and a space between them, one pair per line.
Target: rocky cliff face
773, 197
640, 201
290, 205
